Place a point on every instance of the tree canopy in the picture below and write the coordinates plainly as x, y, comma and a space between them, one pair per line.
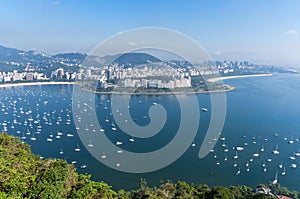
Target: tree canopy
24, 175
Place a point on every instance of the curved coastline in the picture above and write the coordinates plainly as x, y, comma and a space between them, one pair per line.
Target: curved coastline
33, 84
238, 76
216, 79
230, 88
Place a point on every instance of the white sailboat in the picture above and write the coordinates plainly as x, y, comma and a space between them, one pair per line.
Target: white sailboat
297, 154
61, 152
83, 166
276, 152
226, 150
77, 149
280, 165
291, 141
23, 137
248, 169
235, 164
103, 156
247, 164
283, 172
294, 166
90, 144
236, 155
33, 138
275, 180
238, 172
255, 154
132, 139
70, 135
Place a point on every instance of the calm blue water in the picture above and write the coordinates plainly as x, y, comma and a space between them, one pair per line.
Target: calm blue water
256, 110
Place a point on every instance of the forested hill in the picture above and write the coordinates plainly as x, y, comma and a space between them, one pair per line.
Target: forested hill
25, 175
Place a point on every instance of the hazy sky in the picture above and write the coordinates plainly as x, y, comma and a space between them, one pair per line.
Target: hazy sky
262, 31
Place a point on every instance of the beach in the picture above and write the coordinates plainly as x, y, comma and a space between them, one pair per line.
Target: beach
237, 76
32, 84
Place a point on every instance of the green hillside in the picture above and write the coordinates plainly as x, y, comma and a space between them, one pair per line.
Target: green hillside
25, 175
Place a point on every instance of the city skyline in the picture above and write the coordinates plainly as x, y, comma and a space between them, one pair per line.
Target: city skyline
264, 32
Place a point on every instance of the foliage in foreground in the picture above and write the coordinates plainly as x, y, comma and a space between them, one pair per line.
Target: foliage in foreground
25, 175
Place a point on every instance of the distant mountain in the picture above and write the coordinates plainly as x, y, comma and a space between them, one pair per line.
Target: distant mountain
21, 56
135, 59
70, 56
10, 54
33, 57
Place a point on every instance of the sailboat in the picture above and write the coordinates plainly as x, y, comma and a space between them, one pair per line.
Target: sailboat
255, 154
262, 149
132, 139
265, 168
83, 166
294, 166
235, 164
215, 156
77, 149
103, 156
90, 144
292, 158
33, 138
23, 137
223, 144
297, 154
226, 150
247, 163
238, 172
61, 152
275, 180
70, 135
283, 172
236, 155
276, 152
280, 165
248, 169
291, 141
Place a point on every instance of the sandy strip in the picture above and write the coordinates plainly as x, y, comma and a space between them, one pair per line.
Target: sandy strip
33, 84
237, 76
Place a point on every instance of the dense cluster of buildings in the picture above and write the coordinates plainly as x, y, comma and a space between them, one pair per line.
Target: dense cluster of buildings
175, 74
157, 75
60, 74
15, 76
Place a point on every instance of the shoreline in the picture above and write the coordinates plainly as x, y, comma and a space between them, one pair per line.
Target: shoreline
215, 79
33, 84
230, 88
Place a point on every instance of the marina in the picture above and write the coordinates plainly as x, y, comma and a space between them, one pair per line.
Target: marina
42, 117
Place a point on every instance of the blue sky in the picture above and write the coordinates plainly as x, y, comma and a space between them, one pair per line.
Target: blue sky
264, 32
